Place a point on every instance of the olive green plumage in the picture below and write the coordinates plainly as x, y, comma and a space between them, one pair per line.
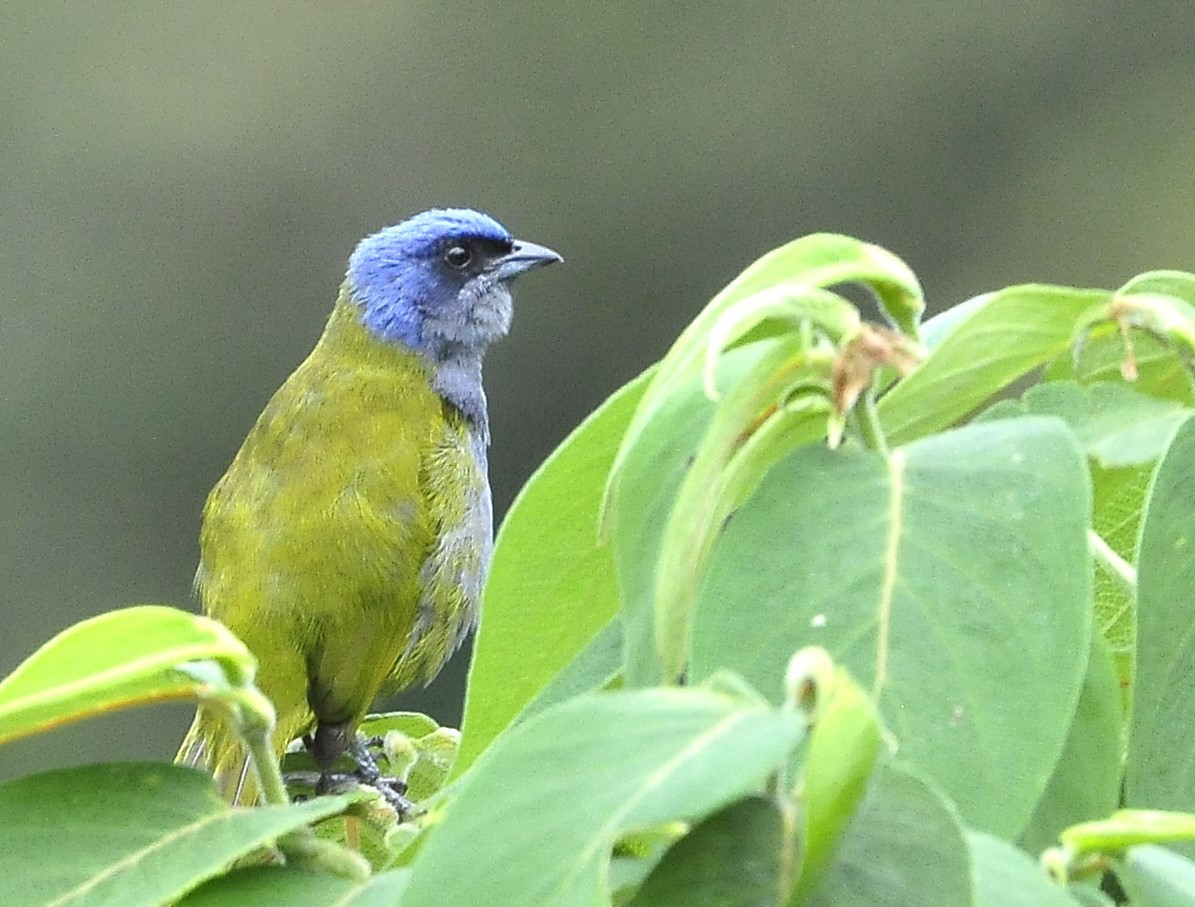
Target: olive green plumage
347, 544
338, 545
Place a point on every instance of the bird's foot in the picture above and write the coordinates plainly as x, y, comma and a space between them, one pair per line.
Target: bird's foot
392, 790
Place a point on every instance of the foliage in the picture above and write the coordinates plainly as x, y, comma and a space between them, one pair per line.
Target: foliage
815, 611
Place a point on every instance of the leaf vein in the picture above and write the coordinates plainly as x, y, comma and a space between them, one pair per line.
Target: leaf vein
604, 835
896, 467
137, 855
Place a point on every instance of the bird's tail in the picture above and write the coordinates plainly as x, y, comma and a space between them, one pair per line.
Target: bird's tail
214, 747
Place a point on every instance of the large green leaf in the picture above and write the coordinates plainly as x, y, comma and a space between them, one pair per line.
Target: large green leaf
651, 476
551, 797
596, 667
116, 660
1161, 764
277, 886
551, 587
128, 835
952, 577
980, 348
739, 857
1085, 895
904, 848
1086, 781
1007, 877
1114, 424
1157, 877
1123, 432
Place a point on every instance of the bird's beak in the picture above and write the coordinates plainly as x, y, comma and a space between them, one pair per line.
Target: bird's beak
525, 256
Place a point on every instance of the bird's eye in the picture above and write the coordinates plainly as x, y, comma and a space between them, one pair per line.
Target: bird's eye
458, 256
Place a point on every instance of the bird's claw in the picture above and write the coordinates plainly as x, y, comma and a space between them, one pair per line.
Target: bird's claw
392, 790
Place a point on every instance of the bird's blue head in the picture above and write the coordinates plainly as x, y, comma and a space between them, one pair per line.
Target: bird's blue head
439, 282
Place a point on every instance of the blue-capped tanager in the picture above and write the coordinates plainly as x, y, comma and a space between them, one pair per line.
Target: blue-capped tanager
348, 542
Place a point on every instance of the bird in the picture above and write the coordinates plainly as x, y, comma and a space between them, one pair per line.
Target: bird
348, 542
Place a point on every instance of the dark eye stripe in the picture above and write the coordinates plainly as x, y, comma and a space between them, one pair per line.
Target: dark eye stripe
493, 248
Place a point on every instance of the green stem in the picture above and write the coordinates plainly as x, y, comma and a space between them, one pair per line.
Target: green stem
867, 419
257, 725
1121, 570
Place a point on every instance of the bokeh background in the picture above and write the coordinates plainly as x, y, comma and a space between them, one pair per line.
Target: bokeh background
181, 185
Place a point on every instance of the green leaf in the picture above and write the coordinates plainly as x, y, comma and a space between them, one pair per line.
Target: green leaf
551, 586
1160, 773
1114, 424
552, 796
435, 749
953, 577
597, 666
128, 834
413, 724
1125, 432
1086, 781
1007, 877
738, 857
1147, 304
781, 307
1179, 284
1160, 370
843, 744
116, 660
1118, 499
1119, 494
1087, 896
647, 490
1157, 877
730, 460
991, 342
904, 848
793, 270
278, 886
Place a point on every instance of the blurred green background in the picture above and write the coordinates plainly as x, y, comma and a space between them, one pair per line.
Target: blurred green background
181, 185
